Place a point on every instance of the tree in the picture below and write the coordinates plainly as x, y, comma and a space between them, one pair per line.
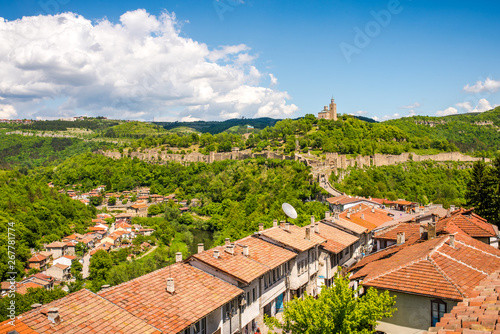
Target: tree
76, 270
112, 200
96, 200
100, 264
337, 310
483, 190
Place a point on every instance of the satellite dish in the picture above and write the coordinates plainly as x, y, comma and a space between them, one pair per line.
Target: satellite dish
289, 210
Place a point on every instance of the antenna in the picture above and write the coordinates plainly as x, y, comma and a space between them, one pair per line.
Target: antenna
289, 210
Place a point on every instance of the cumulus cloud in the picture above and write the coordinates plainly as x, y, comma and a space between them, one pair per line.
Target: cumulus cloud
411, 113
482, 105
359, 113
447, 111
489, 85
139, 68
189, 118
411, 106
386, 117
7, 111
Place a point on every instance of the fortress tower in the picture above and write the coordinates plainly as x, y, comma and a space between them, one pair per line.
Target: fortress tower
329, 112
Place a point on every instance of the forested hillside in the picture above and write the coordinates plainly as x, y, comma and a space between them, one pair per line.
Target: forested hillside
36, 214
33, 151
422, 182
237, 195
469, 132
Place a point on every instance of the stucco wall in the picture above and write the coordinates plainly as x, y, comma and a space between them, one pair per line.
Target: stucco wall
414, 311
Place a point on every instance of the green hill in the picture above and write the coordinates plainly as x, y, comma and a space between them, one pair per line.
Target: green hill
134, 129
470, 132
218, 127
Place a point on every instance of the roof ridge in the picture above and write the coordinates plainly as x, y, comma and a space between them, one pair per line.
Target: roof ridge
480, 250
434, 264
465, 264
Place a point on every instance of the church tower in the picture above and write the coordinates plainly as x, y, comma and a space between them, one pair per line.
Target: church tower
333, 110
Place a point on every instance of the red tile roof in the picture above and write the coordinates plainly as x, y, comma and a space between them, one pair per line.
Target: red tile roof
263, 257
479, 313
470, 223
37, 258
434, 268
196, 293
23, 288
346, 199
56, 244
80, 312
367, 216
348, 225
336, 240
293, 238
391, 232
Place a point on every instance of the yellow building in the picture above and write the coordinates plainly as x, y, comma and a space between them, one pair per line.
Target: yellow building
329, 112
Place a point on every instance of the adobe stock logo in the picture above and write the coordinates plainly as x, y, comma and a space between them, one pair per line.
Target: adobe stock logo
372, 29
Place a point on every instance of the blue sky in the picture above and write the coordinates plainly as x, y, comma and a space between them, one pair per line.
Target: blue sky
288, 59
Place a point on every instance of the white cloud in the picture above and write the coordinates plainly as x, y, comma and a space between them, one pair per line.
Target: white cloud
189, 119
412, 106
482, 105
138, 68
489, 85
411, 113
447, 111
7, 110
273, 79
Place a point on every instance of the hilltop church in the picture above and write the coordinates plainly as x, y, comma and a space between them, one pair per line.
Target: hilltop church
330, 113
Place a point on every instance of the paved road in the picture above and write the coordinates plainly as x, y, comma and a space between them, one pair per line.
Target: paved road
86, 263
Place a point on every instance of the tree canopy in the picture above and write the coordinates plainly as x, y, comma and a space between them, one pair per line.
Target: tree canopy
336, 310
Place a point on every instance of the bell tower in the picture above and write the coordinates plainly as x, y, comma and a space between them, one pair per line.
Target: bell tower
333, 110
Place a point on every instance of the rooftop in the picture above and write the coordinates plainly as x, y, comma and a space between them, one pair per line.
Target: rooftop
336, 240
293, 238
433, 268
366, 216
196, 293
80, 312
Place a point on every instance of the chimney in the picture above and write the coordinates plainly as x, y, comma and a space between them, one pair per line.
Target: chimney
282, 223
452, 208
287, 226
53, 315
316, 228
422, 229
261, 227
216, 253
373, 209
230, 249
201, 248
170, 286
348, 215
435, 218
312, 220
228, 241
327, 214
363, 216
178, 257
398, 238
275, 222
403, 239
452, 240
246, 250
336, 215
431, 231
308, 233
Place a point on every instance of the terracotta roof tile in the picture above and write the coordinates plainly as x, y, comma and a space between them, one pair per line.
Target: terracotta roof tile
37, 258
367, 216
477, 314
469, 222
80, 312
294, 237
196, 293
433, 267
263, 257
336, 240
391, 232
346, 224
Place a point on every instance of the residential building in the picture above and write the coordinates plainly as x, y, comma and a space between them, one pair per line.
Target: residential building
43, 280
38, 261
82, 310
57, 248
179, 299
429, 277
66, 260
59, 271
257, 267
304, 267
140, 209
344, 202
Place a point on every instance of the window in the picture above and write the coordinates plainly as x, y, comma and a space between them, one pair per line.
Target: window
254, 294
186, 331
200, 327
248, 298
438, 309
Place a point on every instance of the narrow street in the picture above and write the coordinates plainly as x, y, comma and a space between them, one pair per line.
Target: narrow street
86, 263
